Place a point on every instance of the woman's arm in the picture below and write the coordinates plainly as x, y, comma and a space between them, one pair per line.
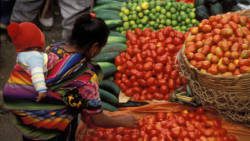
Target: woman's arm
106, 121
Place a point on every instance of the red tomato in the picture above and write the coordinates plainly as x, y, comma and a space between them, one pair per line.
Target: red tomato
138, 31
199, 56
206, 64
213, 69
171, 83
148, 66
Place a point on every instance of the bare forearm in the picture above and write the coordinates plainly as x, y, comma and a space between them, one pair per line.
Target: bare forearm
105, 121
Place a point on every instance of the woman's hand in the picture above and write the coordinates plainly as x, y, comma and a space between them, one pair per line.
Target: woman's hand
80, 131
128, 121
40, 96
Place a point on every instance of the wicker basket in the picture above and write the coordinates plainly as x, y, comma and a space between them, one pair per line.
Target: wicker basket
230, 96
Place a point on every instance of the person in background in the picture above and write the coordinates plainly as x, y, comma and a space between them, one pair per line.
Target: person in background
28, 10
72, 82
29, 42
5, 13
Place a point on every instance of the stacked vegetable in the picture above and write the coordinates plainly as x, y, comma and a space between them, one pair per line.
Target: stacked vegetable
187, 1
147, 69
184, 126
157, 14
206, 8
109, 11
109, 91
220, 45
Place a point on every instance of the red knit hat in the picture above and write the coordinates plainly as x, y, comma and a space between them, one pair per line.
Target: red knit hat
26, 35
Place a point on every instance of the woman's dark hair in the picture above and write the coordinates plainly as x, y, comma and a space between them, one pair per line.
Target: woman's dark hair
88, 30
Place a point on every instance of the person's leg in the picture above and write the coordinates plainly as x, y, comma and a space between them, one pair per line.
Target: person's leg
70, 10
5, 10
26, 10
46, 17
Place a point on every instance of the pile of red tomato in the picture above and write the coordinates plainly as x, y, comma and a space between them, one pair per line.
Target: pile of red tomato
186, 1
183, 126
147, 69
220, 45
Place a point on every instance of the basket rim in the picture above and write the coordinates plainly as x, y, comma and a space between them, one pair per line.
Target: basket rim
208, 74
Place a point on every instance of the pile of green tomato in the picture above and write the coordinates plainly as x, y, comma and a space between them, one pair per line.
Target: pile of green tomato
157, 14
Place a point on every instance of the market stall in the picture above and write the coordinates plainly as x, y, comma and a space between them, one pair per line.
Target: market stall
194, 53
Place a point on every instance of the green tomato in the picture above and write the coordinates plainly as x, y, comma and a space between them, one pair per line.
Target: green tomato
125, 18
144, 20
179, 19
153, 10
188, 21
151, 16
130, 4
183, 28
183, 7
168, 22
152, 4
193, 21
158, 20
189, 25
151, 23
126, 11
162, 21
160, 26
138, 8
192, 15
161, 16
126, 25
156, 26
174, 23
182, 13
158, 8
123, 9
145, 5
140, 26
146, 12
134, 26
132, 22
163, 11
138, 21
172, 10
168, 6
196, 22
168, 15
134, 17
174, 17
183, 17
140, 14
121, 14
190, 6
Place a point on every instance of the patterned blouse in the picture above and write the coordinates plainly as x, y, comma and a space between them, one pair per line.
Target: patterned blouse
72, 88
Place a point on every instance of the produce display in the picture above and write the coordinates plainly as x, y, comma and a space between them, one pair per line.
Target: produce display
220, 45
183, 126
109, 11
206, 8
109, 91
147, 69
187, 1
157, 14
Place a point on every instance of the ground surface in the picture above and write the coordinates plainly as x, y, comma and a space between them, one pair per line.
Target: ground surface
7, 59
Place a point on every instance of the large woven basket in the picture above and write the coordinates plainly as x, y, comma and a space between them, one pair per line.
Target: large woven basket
230, 96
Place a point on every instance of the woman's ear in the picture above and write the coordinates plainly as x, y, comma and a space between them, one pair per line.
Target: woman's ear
94, 50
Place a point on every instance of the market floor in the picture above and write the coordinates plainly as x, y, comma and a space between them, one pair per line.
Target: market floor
8, 132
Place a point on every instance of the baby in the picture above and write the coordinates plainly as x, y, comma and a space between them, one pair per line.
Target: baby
29, 42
